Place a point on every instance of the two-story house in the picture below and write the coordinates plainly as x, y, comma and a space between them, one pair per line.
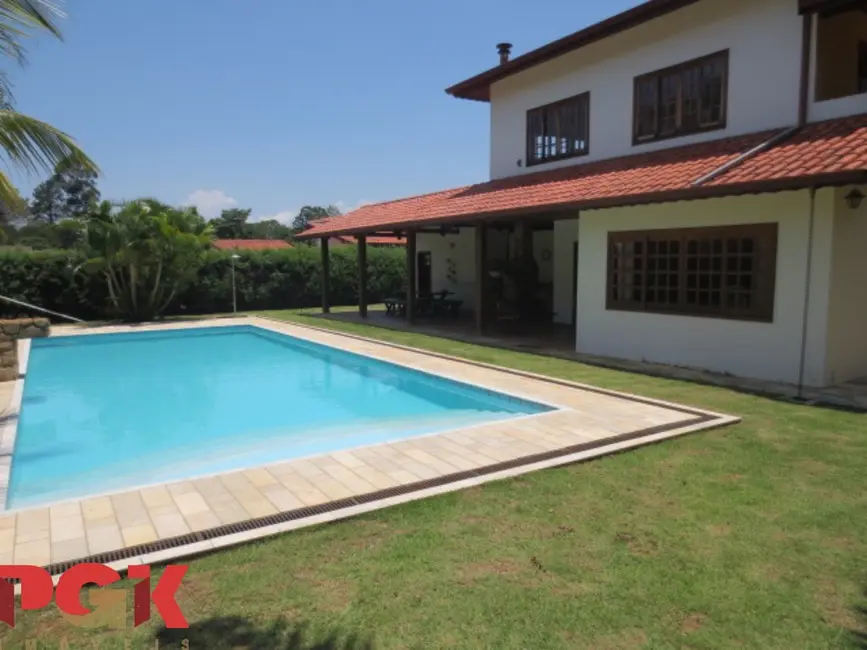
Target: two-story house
688, 177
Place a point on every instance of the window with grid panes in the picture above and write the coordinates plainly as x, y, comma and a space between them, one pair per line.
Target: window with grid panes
725, 272
684, 99
559, 130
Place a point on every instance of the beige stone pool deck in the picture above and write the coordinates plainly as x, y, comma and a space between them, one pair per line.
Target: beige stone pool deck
176, 519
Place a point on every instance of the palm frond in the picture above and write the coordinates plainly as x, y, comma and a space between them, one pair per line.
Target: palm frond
35, 145
9, 196
18, 18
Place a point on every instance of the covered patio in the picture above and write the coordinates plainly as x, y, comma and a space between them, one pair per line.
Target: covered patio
485, 278
551, 339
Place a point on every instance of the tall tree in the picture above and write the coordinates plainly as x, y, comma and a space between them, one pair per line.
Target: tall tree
79, 188
69, 193
26, 142
312, 213
232, 224
48, 203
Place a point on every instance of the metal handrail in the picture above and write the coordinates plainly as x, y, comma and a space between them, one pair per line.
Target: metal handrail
41, 309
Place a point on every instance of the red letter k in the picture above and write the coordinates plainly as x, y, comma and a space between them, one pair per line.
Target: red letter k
163, 595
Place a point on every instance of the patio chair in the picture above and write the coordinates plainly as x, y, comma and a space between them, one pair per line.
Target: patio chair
396, 305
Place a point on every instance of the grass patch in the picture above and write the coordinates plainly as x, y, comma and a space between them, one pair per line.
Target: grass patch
753, 536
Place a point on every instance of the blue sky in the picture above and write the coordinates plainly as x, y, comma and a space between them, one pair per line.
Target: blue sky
275, 104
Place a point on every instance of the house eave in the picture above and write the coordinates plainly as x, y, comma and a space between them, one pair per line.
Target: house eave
478, 88
566, 210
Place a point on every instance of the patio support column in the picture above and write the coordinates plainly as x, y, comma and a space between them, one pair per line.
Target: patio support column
410, 276
326, 275
481, 276
524, 239
362, 276
524, 257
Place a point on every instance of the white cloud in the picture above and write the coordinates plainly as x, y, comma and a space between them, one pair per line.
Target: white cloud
211, 202
346, 208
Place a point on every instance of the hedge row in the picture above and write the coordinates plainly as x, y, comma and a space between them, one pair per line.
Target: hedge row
274, 279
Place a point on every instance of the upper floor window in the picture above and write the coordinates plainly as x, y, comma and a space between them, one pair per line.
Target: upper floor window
686, 98
841, 55
559, 130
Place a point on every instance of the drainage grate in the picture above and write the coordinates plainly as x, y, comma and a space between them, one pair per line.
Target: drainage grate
334, 506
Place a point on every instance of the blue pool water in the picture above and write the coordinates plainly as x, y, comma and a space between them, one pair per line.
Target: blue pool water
110, 411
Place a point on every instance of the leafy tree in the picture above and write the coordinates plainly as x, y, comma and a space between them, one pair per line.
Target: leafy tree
147, 252
79, 188
36, 235
231, 224
312, 213
69, 233
48, 203
29, 143
69, 193
269, 229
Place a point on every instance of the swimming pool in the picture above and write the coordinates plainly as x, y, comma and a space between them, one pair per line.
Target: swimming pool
107, 412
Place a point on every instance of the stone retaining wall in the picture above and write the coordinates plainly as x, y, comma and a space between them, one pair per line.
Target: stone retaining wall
10, 332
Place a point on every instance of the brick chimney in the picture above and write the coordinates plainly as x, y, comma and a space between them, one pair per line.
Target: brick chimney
504, 50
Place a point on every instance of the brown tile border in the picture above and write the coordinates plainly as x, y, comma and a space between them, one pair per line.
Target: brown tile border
369, 498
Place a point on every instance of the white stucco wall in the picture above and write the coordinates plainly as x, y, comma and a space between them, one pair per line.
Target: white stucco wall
565, 235
764, 39
847, 320
770, 351
460, 248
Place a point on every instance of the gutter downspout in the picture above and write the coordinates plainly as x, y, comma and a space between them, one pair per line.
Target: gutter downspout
764, 146
809, 278
803, 109
806, 55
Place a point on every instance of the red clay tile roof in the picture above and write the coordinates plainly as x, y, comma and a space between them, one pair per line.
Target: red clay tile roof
251, 244
833, 152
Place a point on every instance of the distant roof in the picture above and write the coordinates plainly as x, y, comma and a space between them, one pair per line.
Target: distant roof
479, 87
374, 240
824, 153
251, 244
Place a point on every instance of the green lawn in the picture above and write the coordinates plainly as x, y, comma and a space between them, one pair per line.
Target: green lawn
752, 536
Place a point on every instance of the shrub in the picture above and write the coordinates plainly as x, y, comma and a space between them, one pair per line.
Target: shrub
270, 279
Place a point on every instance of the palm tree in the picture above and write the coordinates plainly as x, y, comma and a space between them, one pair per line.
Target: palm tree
147, 252
26, 142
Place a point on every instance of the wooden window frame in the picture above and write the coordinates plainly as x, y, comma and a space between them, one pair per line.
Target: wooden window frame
657, 76
862, 67
531, 147
762, 273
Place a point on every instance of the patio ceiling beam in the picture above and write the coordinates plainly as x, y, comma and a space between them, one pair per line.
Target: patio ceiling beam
481, 275
362, 275
410, 276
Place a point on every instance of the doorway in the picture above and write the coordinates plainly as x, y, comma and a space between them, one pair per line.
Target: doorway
423, 273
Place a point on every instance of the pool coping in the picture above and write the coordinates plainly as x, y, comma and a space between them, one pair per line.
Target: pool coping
225, 535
